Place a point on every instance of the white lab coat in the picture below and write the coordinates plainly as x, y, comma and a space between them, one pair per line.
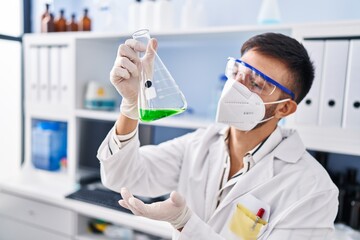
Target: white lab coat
299, 197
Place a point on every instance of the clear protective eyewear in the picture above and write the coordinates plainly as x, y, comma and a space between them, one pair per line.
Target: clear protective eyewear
253, 79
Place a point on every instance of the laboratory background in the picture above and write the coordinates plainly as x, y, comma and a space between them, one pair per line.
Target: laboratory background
58, 104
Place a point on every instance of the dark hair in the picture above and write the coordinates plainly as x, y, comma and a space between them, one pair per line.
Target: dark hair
291, 53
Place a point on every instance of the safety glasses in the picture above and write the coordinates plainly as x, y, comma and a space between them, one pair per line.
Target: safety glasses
253, 79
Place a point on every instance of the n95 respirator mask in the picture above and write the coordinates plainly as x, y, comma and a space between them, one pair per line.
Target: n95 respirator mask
241, 108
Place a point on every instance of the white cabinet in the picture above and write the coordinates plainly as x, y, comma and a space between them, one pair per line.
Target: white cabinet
22, 218
12, 229
39, 214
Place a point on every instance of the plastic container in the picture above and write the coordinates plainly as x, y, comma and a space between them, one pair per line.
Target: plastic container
192, 15
147, 14
133, 16
163, 15
187, 15
118, 232
100, 96
269, 12
49, 143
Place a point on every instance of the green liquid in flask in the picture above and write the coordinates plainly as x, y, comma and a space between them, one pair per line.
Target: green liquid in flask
148, 115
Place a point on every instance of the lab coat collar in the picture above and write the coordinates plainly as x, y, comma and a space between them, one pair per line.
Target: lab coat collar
270, 143
291, 148
286, 145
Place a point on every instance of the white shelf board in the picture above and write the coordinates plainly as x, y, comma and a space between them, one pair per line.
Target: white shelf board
330, 139
177, 121
158, 228
197, 31
97, 115
48, 114
174, 32
89, 236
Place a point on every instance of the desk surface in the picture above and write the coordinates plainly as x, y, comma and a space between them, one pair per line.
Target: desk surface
41, 192
55, 195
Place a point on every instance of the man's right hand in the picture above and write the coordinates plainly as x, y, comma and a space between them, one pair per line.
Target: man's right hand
126, 70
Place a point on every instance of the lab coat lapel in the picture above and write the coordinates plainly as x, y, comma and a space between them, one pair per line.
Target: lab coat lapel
217, 155
257, 175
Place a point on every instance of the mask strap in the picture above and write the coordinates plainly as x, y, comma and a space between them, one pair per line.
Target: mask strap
267, 119
264, 120
278, 101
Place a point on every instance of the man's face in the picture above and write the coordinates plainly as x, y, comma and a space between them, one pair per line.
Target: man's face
271, 67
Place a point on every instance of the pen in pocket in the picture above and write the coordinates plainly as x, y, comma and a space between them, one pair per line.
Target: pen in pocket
259, 215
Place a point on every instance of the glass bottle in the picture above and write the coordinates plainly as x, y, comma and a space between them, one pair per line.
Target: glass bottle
60, 23
47, 12
159, 95
85, 22
72, 25
45, 17
47, 24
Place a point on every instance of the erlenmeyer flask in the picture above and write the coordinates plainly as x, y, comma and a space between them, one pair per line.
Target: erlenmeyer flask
159, 95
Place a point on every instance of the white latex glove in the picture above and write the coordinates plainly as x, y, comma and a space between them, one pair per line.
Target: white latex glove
172, 210
126, 70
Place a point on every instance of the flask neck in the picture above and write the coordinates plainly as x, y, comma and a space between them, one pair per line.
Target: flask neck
142, 36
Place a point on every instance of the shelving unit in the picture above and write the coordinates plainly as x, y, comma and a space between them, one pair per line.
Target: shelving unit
330, 137
59, 65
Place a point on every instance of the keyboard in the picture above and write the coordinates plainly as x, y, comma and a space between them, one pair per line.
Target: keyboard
101, 196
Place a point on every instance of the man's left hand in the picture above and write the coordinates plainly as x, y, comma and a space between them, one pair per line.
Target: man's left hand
172, 210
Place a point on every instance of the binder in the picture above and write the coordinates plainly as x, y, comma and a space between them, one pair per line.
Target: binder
308, 110
33, 89
44, 93
351, 118
54, 74
65, 75
333, 82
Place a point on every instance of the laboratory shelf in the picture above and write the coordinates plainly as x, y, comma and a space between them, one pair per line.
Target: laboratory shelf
178, 121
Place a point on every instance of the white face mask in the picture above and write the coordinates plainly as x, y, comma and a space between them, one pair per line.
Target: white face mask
241, 108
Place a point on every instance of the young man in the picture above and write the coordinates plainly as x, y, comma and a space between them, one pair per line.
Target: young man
248, 180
